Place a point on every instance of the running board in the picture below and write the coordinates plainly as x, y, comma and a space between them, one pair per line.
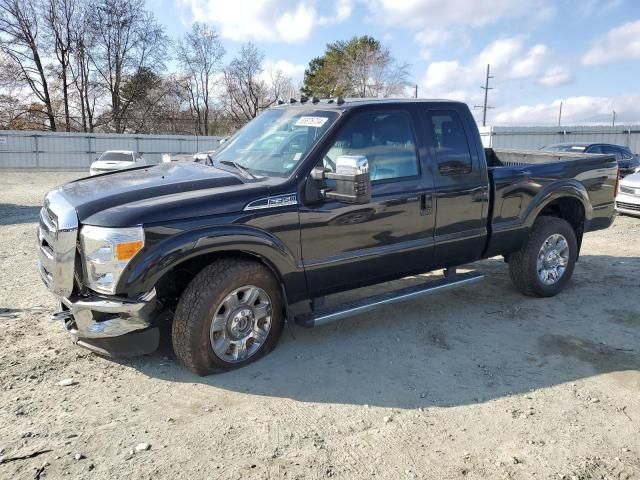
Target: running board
338, 312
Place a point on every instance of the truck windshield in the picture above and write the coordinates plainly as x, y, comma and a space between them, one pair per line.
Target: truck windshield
274, 142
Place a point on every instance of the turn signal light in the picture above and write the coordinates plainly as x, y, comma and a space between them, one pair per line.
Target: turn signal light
126, 251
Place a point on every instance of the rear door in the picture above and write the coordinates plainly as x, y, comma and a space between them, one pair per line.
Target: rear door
462, 185
346, 246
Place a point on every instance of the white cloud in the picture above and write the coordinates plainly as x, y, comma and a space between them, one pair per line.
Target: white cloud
509, 59
261, 20
474, 13
531, 63
343, 11
291, 70
575, 110
555, 77
620, 43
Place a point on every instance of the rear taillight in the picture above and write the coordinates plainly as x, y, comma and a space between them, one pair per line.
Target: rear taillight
617, 182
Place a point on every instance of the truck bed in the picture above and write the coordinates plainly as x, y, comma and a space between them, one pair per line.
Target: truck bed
509, 158
521, 180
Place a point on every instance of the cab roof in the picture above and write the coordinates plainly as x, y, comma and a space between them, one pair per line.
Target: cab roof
347, 103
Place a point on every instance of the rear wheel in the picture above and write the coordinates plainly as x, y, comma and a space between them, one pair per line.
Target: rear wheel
544, 265
228, 316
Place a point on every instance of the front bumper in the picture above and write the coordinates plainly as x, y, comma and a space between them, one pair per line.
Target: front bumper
111, 325
628, 204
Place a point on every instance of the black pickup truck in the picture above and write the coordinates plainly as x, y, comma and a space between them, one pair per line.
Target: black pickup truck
309, 199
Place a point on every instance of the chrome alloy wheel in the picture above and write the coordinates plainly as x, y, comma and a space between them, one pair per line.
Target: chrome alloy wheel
241, 324
553, 259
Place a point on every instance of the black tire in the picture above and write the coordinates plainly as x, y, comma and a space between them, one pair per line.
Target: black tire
198, 304
523, 263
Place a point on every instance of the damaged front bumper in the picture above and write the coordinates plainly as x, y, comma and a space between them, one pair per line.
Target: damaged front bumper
110, 325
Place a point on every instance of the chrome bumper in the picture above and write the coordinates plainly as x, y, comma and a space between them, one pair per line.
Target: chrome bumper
101, 317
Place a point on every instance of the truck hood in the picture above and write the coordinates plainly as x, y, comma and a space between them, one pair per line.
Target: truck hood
167, 191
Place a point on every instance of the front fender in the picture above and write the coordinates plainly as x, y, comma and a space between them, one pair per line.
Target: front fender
164, 255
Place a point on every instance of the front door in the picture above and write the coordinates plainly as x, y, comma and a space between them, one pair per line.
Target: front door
346, 246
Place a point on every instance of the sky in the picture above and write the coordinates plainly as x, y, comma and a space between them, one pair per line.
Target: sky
583, 53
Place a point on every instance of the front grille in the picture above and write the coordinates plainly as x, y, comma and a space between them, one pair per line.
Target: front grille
629, 190
628, 206
57, 235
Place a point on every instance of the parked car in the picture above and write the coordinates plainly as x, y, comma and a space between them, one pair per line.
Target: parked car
116, 160
379, 190
627, 160
628, 197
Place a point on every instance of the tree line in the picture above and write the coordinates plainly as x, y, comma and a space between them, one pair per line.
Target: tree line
76, 65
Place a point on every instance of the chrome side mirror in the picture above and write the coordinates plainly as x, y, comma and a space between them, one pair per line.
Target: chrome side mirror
353, 184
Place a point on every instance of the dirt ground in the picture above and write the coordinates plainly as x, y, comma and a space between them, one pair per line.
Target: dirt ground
478, 383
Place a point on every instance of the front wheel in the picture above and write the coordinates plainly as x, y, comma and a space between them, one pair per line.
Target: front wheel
544, 265
228, 316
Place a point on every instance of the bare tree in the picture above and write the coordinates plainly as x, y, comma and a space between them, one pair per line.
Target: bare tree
20, 44
60, 16
199, 55
127, 40
81, 69
247, 90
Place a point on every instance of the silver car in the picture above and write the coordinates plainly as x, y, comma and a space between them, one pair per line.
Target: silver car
628, 198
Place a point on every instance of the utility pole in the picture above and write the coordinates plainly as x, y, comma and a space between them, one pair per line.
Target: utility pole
560, 115
416, 94
486, 94
614, 119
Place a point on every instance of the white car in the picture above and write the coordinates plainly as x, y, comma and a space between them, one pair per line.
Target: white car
116, 160
628, 198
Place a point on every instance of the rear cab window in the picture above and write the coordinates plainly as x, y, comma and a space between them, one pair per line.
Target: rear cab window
450, 143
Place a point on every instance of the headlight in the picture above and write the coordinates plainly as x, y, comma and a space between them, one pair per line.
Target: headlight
106, 252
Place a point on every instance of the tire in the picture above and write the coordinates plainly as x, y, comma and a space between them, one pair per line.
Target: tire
192, 336
523, 264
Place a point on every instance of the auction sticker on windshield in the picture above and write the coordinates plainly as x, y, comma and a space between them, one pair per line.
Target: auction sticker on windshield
311, 122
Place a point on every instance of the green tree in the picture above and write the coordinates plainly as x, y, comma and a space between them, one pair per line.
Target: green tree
360, 67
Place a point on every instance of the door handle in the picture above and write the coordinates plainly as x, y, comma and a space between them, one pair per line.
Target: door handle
426, 204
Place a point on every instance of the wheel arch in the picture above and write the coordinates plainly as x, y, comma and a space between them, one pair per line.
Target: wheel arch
169, 265
570, 202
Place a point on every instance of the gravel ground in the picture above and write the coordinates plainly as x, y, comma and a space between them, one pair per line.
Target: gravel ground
475, 383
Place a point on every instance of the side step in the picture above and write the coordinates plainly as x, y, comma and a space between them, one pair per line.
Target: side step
338, 312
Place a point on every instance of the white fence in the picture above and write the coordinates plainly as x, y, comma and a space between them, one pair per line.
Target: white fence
533, 138
59, 150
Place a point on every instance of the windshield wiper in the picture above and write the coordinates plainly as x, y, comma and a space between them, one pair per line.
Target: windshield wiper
239, 167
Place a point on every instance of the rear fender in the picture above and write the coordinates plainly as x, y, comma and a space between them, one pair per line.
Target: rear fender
556, 191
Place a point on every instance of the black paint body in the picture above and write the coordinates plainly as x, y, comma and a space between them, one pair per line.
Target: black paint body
413, 224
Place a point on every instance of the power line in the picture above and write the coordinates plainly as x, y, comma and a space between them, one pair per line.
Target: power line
486, 89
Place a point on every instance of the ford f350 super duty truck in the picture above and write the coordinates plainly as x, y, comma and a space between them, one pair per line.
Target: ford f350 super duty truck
309, 199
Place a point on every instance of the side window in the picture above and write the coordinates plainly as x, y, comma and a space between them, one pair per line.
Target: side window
386, 139
595, 149
450, 142
612, 150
